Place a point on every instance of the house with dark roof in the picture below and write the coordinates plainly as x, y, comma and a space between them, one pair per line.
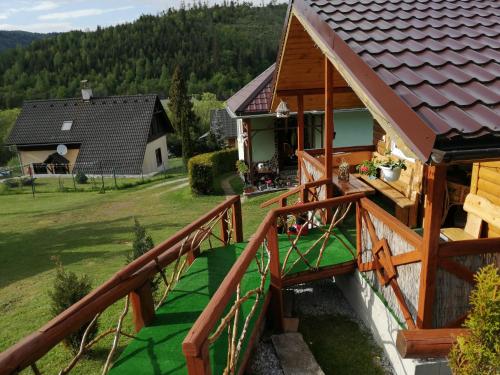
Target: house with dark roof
223, 126
122, 135
263, 139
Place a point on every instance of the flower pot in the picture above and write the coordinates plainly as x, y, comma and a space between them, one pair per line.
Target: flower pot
391, 174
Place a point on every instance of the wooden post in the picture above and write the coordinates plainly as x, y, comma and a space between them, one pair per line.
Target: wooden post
276, 282
237, 222
200, 364
328, 135
359, 227
224, 235
142, 306
300, 130
433, 212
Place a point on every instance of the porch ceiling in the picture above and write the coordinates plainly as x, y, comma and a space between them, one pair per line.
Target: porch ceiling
302, 71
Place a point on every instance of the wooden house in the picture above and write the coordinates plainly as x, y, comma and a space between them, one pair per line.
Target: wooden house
404, 252
262, 138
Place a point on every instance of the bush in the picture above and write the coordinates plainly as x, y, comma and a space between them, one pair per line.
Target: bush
479, 352
67, 290
27, 181
81, 178
203, 168
142, 242
11, 183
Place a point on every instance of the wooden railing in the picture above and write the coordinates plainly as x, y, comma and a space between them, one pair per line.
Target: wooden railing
307, 192
273, 277
132, 283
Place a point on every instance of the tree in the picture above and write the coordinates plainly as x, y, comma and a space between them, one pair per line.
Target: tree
183, 116
142, 242
479, 352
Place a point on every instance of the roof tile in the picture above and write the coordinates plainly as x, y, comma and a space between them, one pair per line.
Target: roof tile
441, 57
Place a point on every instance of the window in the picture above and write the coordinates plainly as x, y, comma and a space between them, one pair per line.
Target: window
159, 160
67, 125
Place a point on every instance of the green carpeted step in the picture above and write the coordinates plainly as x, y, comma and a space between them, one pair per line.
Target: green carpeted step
157, 349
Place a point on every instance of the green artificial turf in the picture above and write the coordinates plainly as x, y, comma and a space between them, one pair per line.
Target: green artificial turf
158, 347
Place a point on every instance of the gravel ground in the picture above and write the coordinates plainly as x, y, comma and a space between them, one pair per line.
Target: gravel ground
312, 299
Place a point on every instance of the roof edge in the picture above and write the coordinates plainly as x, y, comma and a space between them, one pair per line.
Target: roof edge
378, 96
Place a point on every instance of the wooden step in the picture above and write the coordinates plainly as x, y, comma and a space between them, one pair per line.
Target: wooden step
294, 355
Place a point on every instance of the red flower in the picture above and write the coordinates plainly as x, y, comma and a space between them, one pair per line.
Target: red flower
364, 169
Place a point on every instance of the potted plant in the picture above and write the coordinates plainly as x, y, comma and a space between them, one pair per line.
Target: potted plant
368, 168
391, 169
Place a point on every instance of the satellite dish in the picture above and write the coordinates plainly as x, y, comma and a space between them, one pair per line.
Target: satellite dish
62, 150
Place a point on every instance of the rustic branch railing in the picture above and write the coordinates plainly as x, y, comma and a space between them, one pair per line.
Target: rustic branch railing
133, 283
307, 192
229, 296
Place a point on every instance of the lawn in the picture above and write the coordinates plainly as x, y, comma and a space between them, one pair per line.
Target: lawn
91, 233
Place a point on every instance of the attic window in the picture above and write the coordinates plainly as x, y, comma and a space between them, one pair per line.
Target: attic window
67, 125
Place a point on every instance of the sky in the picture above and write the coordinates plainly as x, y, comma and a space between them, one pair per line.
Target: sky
45, 16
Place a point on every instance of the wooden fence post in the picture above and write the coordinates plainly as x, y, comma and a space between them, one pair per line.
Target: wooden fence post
276, 287
359, 228
434, 198
200, 364
237, 222
142, 306
224, 235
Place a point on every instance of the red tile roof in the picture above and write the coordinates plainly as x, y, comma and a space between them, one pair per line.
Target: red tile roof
441, 57
255, 97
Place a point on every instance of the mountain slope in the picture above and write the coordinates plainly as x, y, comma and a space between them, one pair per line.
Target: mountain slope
221, 48
10, 39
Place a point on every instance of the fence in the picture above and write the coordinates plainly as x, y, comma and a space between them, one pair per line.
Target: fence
96, 176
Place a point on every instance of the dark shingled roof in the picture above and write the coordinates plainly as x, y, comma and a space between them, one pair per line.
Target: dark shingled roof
220, 119
255, 97
112, 131
441, 57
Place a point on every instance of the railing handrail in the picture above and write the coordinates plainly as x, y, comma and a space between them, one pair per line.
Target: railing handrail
34, 346
295, 190
207, 320
392, 222
321, 151
312, 160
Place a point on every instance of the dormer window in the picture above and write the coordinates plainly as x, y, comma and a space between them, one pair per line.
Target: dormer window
67, 125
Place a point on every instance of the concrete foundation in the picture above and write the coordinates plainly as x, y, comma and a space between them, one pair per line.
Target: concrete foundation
384, 326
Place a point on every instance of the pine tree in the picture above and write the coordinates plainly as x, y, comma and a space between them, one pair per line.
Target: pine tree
183, 116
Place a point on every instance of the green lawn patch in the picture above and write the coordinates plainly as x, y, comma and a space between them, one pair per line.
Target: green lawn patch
91, 233
340, 346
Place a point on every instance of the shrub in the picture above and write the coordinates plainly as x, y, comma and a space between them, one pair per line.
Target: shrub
81, 177
67, 290
203, 168
11, 183
142, 242
479, 352
27, 181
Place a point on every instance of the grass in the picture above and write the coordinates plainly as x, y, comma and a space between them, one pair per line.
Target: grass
68, 184
340, 346
91, 233
236, 184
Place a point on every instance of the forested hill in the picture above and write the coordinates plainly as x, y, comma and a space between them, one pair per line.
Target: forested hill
11, 39
220, 47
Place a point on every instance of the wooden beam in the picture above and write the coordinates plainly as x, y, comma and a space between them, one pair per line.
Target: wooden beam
436, 186
322, 273
469, 247
300, 129
328, 131
427, 343
313, 91
142, 306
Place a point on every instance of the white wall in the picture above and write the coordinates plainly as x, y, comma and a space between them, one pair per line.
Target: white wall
263, 147
239, 140
149, 163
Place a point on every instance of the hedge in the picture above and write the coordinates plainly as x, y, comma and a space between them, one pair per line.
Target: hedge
204, 167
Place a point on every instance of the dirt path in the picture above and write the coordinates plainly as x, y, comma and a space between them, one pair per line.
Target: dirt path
170, 182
